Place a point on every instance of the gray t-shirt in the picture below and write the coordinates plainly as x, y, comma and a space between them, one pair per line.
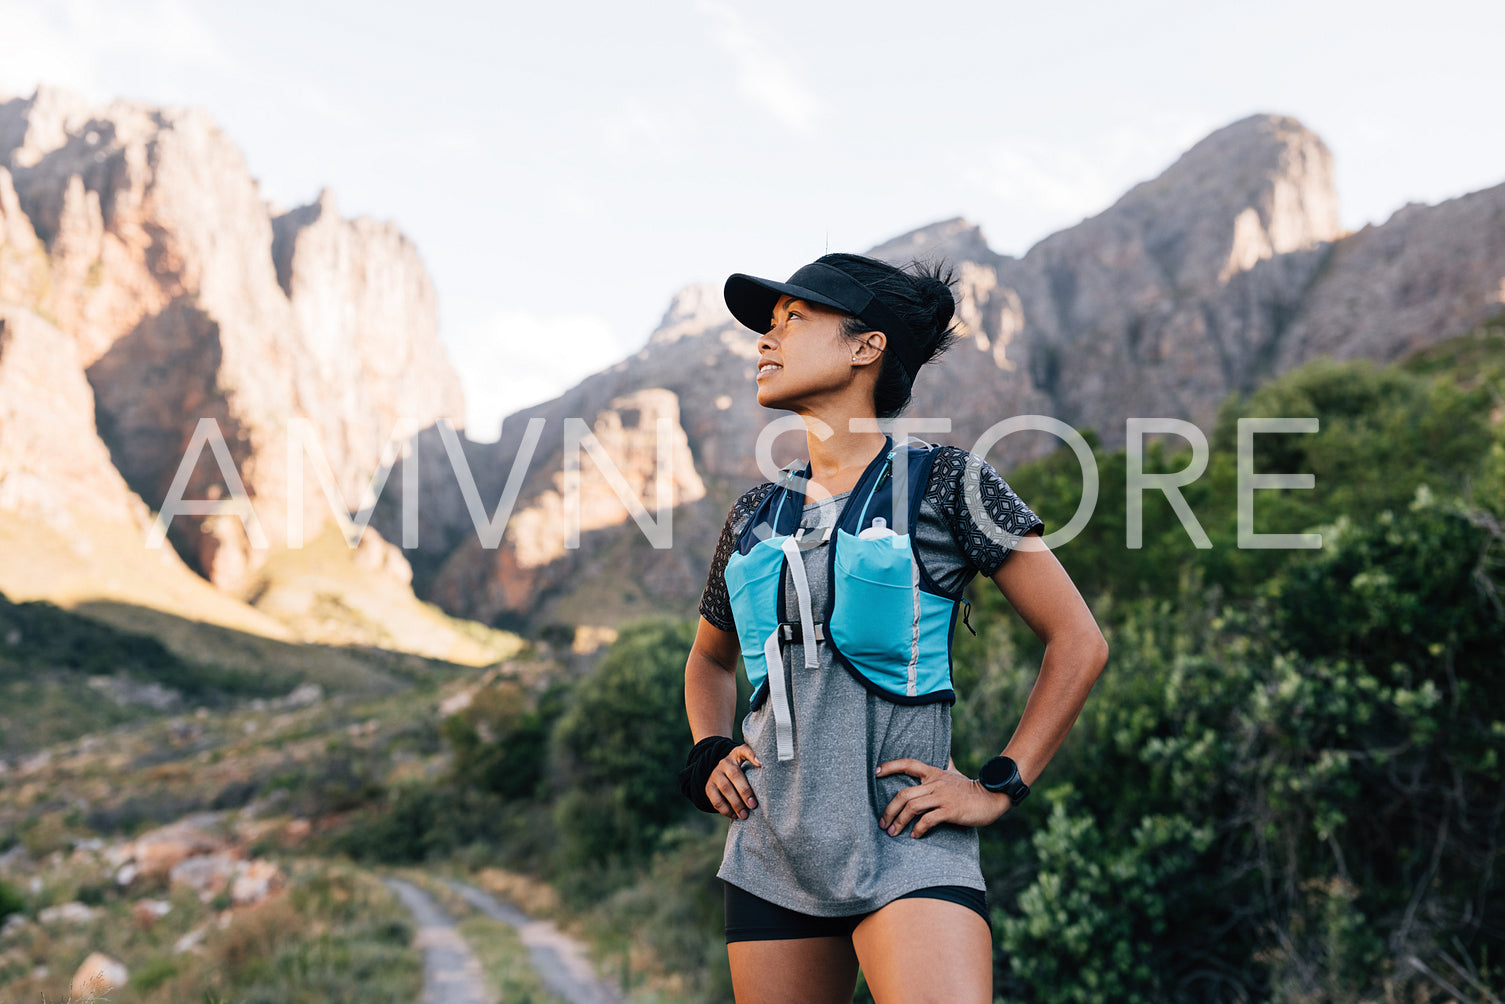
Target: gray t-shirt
813, 843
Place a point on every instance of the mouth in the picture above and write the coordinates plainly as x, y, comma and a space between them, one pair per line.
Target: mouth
767, 368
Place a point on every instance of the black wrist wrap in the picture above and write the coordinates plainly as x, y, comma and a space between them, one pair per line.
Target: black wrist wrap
698, 766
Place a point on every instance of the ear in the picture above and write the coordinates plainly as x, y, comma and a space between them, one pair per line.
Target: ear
868, 347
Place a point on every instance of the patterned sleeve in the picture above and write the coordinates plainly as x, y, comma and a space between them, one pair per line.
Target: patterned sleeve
715, 605
986, 517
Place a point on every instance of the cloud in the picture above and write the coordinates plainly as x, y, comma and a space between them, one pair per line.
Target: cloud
1055, 183
763, 76
1058, 180
68, 44
512, 359
40, 50
639, 131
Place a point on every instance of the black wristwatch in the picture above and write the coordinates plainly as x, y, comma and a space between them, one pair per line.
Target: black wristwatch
1002, 774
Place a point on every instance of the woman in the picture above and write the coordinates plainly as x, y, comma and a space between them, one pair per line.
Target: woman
853, 838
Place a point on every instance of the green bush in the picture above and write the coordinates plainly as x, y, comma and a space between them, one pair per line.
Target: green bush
152, 974
47, 636
421, 822
11, 900
1092, 927
1320, 808
674, 908
500, 742
618, 746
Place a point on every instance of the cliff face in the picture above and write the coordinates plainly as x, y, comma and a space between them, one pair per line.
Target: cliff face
154, 253
566, 525
53, 467
695, 372
71, 530
368, 315
1388, 290
1227, 269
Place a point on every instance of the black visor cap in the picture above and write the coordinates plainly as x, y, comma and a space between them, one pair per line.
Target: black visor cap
751, 301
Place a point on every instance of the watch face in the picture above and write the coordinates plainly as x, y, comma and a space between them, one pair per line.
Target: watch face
997, 773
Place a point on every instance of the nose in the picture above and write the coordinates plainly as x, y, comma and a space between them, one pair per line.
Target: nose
766, 340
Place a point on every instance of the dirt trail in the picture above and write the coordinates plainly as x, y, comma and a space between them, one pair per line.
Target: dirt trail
560, 960
451, 974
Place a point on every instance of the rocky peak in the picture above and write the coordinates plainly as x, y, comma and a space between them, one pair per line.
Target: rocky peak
287, 225
23, 261
53, 466
1253, 189
536, 562
955, 239
368, 314
31, 128
694, 310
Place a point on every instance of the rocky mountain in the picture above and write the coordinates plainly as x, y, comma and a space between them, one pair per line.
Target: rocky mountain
1228, 268
140, 233
135, 241
1128, 312
145, 286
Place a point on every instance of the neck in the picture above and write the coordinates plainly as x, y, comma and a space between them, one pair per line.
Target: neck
837, 460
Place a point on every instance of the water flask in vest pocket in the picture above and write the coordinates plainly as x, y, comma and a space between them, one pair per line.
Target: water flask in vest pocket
875, 605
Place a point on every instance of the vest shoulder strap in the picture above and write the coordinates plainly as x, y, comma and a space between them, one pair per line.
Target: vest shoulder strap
877, 498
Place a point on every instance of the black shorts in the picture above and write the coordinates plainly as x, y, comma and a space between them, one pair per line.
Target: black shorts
751, 918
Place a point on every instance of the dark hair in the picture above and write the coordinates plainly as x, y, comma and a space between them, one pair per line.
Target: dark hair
920, 294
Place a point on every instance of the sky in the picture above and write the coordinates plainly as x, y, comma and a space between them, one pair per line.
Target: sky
565, 168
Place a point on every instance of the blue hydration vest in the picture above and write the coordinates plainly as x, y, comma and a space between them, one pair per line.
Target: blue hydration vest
890, 624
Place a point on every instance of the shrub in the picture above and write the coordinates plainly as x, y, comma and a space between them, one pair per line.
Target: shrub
500, 742
11, 900
618, 745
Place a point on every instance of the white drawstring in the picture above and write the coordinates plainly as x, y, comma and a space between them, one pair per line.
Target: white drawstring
773, 657
783, 724
796, 563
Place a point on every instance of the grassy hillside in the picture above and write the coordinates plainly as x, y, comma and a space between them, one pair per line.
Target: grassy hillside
319, 596
271, 776
67, 673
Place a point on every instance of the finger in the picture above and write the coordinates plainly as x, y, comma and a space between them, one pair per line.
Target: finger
733, 772
746, 754
736, 809
930, 821
718, 801
891, 810
912, 809
914, 768
729, 791
735, 787
896, 805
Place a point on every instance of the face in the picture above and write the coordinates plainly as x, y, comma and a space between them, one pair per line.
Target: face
803, 356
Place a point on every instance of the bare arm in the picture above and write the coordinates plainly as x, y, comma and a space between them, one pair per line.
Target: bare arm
711, 681
1038, 587
1075, 653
